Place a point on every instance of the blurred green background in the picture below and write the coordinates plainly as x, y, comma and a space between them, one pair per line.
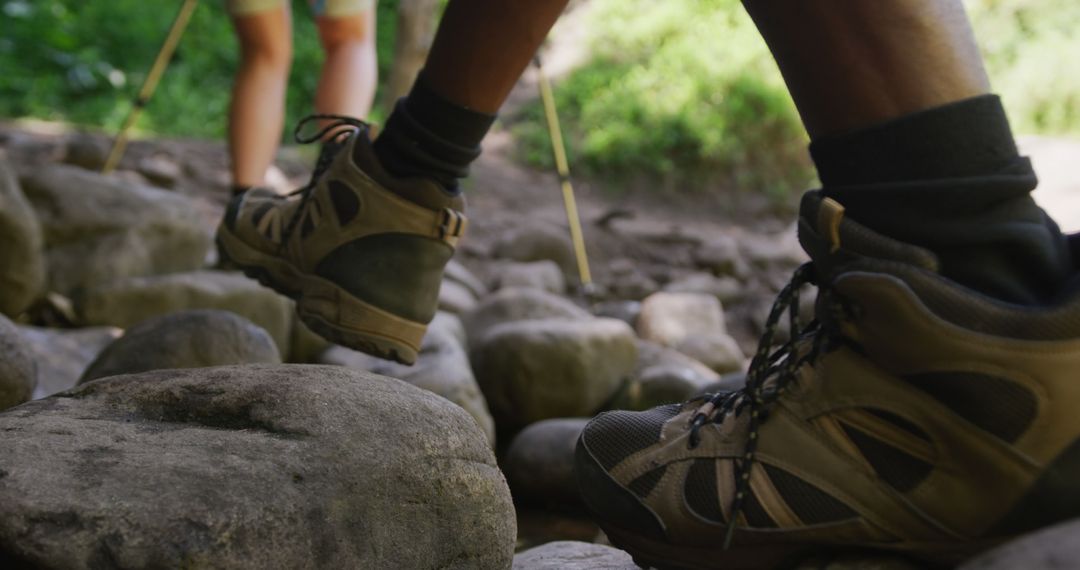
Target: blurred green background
679, 93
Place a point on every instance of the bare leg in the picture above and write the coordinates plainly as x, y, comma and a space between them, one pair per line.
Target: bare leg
483, 46
350, 72
854, 63
257, 110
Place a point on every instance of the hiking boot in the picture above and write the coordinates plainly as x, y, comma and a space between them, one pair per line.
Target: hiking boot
360, 251
913, 415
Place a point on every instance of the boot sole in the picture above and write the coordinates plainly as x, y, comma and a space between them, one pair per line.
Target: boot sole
328, 310
649, 553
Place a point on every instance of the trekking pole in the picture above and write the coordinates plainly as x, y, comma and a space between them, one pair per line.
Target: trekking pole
150, 83
563, 168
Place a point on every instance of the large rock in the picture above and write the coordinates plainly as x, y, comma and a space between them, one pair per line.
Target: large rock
572, 555
187, 339
62, 355
514, 304
719, 352
669, 318
544, 275
1053, 548
17, 373
721, 256
98, 229
127, 302
662, 376
257, 466
442, 367
537, 242
22, 255
539, 464
539, 369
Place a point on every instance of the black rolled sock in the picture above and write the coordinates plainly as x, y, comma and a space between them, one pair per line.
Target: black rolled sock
951, 179
428, 136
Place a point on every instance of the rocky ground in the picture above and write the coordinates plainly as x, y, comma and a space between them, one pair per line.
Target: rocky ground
165, 412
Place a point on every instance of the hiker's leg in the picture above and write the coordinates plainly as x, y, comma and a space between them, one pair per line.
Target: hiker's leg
895, 91
480, 51
887, 410
257, 110
854, 64
350, 72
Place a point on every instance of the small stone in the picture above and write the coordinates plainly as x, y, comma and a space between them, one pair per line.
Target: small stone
1052, 548
662, 376
161, 170
186, 339
17, 369
455, 298
719, 352
539, 464
22, 255
513, 304
455, 271
570, 555
540, 369
127, 302
778, 250
62, 355
87, 151
721, 256
544, 275
625, 311
726, 289
669, 318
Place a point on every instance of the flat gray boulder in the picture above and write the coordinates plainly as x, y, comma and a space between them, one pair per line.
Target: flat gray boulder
553, 368
127, 302
255, 466
573, 555
17, 370
187, 339
98, 228
22, 255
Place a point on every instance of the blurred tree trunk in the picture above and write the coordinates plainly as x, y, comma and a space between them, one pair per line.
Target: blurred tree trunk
416, 20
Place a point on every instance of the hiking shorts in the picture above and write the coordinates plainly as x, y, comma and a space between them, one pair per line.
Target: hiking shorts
328, 8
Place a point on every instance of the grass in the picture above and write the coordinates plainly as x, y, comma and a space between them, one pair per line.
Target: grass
83, 62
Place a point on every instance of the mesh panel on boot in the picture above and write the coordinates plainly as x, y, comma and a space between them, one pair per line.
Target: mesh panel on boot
810, 504
644, 485
755, 514
614, 436
901, 470
996, 405
700, 493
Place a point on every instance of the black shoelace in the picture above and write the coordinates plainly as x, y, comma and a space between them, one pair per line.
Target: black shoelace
771, 370
334, 136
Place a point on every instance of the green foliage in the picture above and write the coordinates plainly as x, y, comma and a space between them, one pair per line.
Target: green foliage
1032, 52
681, 94
83, 62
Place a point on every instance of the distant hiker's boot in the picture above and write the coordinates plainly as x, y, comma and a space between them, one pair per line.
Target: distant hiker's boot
913, 415
361, 252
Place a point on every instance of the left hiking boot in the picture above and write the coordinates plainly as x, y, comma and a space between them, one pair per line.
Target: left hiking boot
913, 415
361, 252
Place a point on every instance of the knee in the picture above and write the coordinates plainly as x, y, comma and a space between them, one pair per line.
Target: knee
351, 31
267, 50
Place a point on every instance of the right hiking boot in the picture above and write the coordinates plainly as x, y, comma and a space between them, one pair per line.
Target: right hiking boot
913, 416
360, 251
